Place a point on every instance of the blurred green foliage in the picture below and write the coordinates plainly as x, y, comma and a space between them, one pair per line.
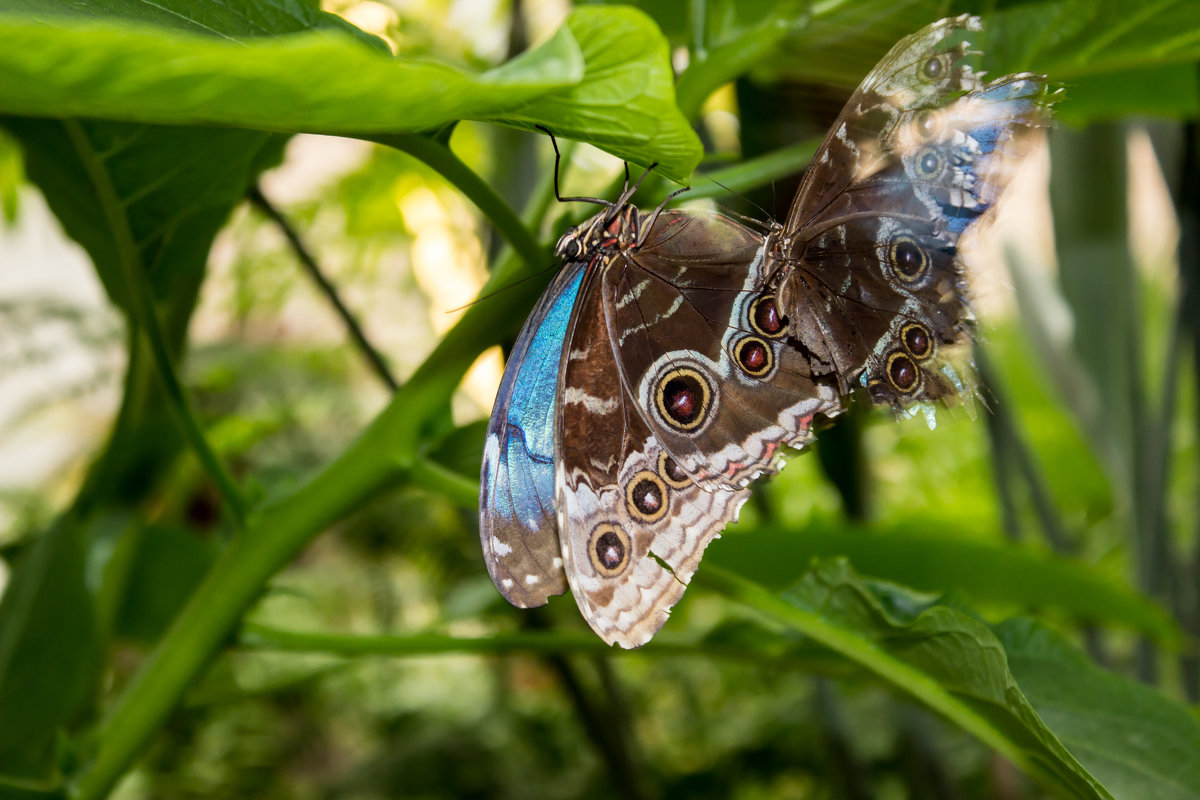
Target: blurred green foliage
267, 582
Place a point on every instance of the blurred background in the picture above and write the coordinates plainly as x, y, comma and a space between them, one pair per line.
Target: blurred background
1081, 453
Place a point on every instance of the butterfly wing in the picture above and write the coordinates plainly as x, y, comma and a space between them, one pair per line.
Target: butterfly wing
703, 349
649, 477
870, 275
517, 522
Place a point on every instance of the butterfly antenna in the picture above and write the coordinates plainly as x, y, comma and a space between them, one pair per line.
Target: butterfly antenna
747, 199
661, 207
557, 162
502, 289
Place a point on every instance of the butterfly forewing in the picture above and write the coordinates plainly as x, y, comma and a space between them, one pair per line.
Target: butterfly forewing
517, 520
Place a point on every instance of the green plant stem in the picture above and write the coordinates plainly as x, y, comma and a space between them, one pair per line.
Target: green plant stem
309, 262
439, 156
144, 317
875, 660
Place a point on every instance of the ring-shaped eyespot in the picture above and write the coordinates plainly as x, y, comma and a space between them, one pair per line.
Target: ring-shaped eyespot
753, 356
646, 497
909, 260
683, 397
765, 318
929, 163
936, 67
903, 373
928, 125
672, 473
608, 549
917, 340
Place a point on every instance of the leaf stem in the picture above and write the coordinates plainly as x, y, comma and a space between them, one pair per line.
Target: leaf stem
309, 262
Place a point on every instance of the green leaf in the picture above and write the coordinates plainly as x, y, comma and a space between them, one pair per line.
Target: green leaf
626, 104
1137, 741
926, 558
49, 650
319, 81
1072, 38
843, 41
161, 192
942, 657
605, 77
226, 20
1114, 59
735, 37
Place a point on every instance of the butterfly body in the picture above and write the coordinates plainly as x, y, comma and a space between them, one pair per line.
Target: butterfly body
679, 354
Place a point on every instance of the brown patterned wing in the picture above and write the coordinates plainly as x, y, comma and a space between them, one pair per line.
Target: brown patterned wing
632, 525
867, 263
671, 316
703, 350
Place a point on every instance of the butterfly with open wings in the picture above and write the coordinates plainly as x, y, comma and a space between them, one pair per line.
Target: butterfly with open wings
678, 354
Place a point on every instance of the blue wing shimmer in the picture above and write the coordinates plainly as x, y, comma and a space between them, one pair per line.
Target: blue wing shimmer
992, 116
517, 524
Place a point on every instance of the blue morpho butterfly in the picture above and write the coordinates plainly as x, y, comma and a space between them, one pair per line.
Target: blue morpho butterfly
678, 353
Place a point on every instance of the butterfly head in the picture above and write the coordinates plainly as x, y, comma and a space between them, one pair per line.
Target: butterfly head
570, 245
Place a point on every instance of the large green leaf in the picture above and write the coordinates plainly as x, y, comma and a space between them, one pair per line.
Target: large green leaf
604, 77
1137, 741
1114, 58
939, 655
318, 80
220, 18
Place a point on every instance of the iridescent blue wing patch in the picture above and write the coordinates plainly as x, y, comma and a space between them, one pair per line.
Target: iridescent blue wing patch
517, 523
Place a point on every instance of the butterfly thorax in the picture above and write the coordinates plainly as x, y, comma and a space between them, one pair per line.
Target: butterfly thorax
614, 229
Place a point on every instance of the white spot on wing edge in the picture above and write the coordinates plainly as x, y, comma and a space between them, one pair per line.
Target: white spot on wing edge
500, 548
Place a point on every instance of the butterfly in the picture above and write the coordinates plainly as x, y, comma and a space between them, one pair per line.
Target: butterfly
679, 355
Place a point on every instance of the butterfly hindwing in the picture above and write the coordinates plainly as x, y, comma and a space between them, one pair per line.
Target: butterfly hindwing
704, 352
632, 525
